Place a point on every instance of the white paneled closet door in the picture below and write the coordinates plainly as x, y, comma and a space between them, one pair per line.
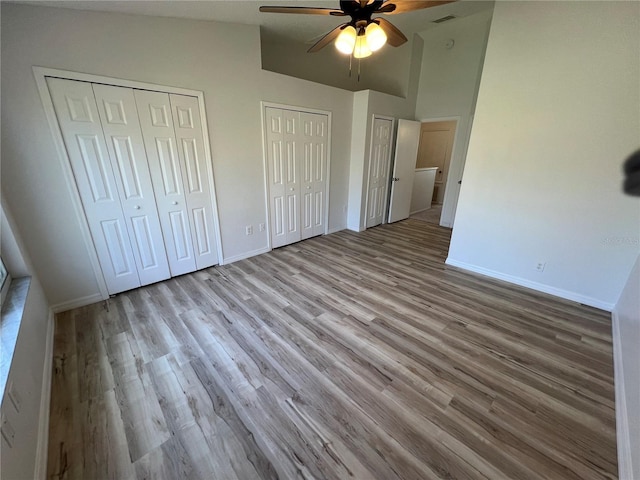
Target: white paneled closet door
139, 163
379, 166
314, 167
156, 120
121, 128
77, 113
187, 123
297, 165
284, 182
172, 130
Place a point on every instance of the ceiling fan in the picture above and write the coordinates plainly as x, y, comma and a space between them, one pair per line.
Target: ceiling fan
363, 34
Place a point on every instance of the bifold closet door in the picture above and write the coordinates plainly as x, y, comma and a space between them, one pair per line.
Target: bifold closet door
172, 131
77, 114
140, 167
313, 134
187, 123
117, 108
297, 144
283, 157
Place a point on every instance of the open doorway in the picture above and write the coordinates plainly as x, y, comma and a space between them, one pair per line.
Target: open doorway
432, 169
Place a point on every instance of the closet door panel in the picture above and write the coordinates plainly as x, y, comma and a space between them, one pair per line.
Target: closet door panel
156, 120
121, 127
277, 182
283, 157
79, 121
292, 159
314, 138
187, 123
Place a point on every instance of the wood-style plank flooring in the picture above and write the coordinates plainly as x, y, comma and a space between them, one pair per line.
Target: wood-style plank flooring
348, 356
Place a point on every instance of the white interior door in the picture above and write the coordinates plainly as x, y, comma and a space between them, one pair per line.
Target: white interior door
187, 123
379, 159
77, 113
121, 128
407, 141
283, 178
314, 172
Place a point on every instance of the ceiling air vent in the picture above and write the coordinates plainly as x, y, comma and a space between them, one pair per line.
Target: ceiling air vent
445, 19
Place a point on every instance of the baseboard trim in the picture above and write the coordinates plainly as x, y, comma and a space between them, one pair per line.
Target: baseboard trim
45, 403
77, 303
244, 256
421, 210
625, 462
540, 287
335, 230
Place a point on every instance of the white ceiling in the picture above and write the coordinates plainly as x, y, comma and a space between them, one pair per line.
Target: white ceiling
297, 27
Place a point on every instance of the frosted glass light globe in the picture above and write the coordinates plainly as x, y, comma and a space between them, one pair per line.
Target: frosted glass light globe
361, 50
376, 38
346, 41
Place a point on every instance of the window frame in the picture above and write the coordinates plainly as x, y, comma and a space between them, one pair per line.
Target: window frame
6, 282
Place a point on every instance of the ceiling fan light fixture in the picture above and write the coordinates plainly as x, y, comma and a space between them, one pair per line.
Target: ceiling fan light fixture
361, 49
346, 41
376, 38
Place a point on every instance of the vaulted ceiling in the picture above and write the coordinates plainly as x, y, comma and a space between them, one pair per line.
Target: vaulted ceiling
302, 28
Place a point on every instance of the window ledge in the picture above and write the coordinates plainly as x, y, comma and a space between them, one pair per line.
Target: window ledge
12, 313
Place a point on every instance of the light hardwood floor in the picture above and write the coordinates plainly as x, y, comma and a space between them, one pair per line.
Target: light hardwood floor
346, 356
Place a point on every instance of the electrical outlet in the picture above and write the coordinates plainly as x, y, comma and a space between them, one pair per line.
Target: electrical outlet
540, 266
249, 229
14, 397
261, 227
7, 431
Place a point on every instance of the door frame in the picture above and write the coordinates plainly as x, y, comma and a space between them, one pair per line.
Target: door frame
40, 74
385, 214
446, 201
265, 147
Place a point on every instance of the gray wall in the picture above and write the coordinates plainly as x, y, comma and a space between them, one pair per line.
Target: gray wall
449, 82
557, 114
223, 60
626, 331
30, 369
386, 71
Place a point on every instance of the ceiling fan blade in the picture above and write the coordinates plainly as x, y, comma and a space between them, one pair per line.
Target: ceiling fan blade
395, 37
305, 10
403, 6
327, 39
386, 8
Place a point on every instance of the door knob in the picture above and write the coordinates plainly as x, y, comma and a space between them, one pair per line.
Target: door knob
137, 207
395, 179
174, 203
292, 189
308, 187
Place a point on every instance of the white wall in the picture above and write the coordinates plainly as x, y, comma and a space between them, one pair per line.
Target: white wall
557, 114
449, 83
223, 60
366, 104
626, 332
386, 71
30, 370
